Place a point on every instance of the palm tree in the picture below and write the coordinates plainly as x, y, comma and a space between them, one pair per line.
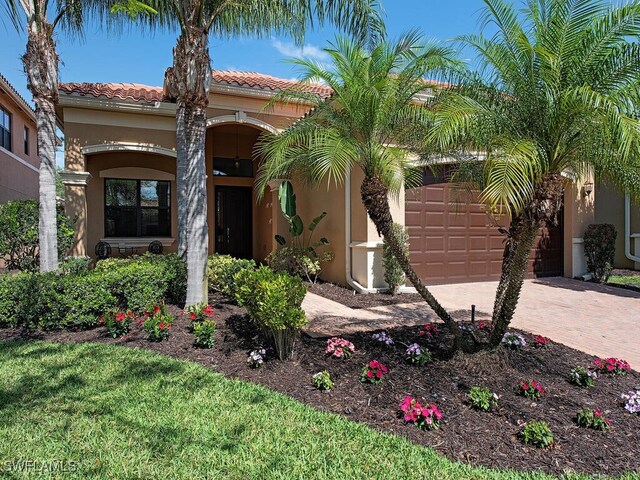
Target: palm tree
557, 96
190, 76
42, 19
375, 107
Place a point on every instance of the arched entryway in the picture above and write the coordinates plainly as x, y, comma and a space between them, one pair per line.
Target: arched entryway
240, 225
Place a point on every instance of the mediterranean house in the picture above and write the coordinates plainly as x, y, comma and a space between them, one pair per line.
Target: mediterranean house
18, 148
120, 184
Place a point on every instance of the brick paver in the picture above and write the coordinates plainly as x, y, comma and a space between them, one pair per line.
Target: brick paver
596, 319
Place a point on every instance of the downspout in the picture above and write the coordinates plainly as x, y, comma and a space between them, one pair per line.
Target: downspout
347, 235
627, 230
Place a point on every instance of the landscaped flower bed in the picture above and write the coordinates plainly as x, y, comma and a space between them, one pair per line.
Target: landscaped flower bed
466, 434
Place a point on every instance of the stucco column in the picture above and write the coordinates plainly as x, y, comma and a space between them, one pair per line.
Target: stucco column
579, 213
75, 184
279, 224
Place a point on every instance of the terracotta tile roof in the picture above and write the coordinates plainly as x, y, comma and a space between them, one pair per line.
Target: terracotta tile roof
19, 99
145, 93
261, 81
122, 91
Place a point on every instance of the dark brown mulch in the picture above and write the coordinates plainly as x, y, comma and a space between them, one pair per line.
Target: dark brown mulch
350, 298
466, 435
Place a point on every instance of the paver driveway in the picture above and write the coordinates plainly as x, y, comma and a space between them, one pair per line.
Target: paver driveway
597, 319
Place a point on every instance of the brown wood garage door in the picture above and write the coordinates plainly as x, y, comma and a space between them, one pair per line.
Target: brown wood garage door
453, 241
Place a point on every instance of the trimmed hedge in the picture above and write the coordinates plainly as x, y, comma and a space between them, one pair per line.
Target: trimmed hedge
76, 300
222, 269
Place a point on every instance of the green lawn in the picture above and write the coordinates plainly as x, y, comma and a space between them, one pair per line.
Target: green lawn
122, 413
629, 280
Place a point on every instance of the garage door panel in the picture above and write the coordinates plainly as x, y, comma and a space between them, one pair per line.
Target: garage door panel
452, 242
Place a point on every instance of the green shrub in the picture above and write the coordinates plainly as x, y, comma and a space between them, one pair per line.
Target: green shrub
221, 270
77, 300
537, 433
19, 238
85, 298
75, 265
32, 300
205, 333
136, 282
273, 300
600, 250
482, 398
322, 381
175, 273
588, 418
305, 262
393, 273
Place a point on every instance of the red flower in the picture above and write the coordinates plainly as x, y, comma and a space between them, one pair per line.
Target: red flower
369, 374
610, 367
208, 311
161, 326
379, 374
156, 309
525, 386
120, 316
192, 315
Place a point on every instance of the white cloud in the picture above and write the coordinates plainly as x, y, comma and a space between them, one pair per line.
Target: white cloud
289, 49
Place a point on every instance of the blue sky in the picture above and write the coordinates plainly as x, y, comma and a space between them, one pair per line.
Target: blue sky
143, 58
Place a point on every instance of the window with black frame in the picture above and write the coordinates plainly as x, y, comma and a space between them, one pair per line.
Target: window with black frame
5, 129
137, 208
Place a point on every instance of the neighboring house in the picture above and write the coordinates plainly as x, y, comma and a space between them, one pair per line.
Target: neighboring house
18, 147
120, 183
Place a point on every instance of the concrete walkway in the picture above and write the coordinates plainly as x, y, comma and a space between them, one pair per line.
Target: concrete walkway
597, 319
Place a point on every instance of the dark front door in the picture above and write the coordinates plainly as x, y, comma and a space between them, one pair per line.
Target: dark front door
233, 221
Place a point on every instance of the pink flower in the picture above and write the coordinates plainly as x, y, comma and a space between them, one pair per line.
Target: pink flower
369, 374
405, 405
610, 367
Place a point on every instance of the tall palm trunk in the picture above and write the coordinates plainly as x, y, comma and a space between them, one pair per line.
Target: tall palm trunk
544, 208
188, 82
374, 194
181, 156
41, 66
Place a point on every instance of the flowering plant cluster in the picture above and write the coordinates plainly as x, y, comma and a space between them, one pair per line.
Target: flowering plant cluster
205, 333
536, 433
425, 417
482, 325
373, 372
322, 381
541, 342
632, 401
615, 366
515, 341
532, 390
157, 323
256, 358
429, 330
117, 322
417, 355
582, 377
382, 337
482, 398
199, 313
595, 419
339, 347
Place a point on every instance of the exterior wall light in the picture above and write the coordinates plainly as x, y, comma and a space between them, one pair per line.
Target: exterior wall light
588, 188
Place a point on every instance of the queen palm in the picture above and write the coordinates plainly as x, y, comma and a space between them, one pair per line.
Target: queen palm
43, 19
190, 76
377, 103
557, 97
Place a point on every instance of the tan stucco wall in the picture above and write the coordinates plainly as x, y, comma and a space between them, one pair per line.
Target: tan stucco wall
610, 208
17, 180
